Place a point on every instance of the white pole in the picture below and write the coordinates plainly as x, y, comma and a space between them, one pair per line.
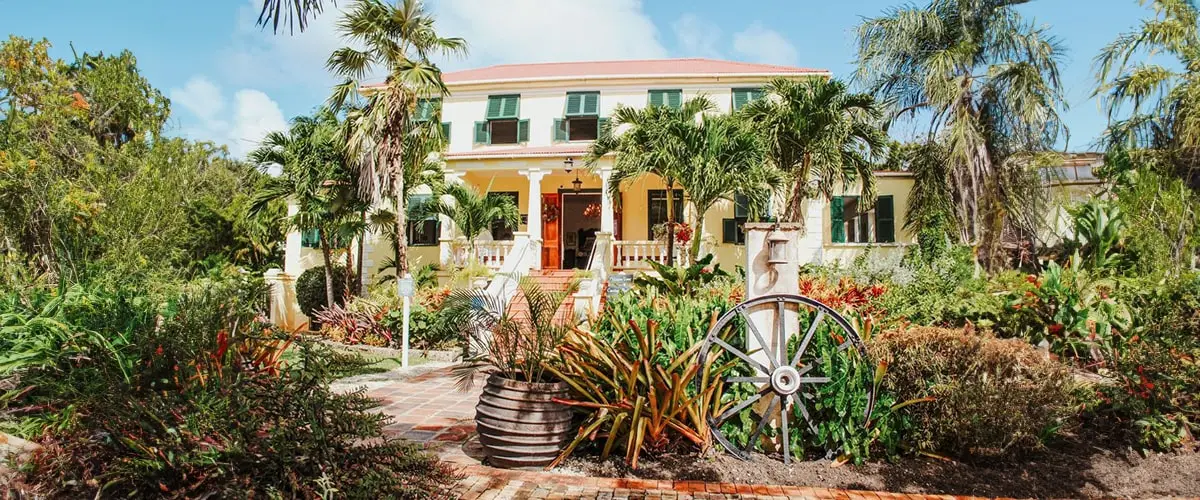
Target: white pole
404, 333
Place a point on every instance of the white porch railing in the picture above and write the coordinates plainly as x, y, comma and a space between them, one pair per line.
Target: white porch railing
491, 254
628, 254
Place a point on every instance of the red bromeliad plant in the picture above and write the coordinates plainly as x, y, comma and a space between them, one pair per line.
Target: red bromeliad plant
635, 402
844, 295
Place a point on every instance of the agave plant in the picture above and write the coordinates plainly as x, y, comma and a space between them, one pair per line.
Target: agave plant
1097, 237
635, 402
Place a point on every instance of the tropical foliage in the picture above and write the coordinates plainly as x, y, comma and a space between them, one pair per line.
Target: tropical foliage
821, 135
473, 212
987, 79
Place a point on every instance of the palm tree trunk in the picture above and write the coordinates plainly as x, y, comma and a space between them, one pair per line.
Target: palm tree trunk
348, 285
697, 232
327, 257
359, 258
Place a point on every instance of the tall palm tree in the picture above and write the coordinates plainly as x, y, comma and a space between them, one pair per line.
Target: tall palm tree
1153, 105
820, 134
397, 40
473, 212
313, 176
652, 143
987, 78
290, 13
725, 160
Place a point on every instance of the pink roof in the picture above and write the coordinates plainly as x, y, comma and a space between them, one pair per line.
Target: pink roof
620, 69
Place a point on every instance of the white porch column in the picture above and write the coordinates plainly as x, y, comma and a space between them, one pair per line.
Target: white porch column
448, 231
607, 225
534, 228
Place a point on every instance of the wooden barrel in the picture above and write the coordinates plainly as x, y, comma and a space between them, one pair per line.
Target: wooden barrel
519, 426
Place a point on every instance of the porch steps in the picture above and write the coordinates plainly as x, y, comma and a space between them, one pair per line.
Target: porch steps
550, 280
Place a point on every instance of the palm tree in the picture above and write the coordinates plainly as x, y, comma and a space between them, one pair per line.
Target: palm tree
473, 212
820, 135
313, 176
397, 40
1151, 105
725, 159
291, 13
653, 143
988, 80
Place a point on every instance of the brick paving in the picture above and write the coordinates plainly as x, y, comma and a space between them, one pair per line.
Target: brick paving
429, 409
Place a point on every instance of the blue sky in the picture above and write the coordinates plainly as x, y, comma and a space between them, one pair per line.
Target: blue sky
230, 82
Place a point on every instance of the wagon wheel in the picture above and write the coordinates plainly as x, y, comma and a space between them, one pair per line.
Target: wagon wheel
776, 373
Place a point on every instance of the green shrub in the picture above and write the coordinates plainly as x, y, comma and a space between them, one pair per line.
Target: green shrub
310, 289
991, 397
183, 401
683, 320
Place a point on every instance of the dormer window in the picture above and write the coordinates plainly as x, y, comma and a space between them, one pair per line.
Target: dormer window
581, 119
503, 124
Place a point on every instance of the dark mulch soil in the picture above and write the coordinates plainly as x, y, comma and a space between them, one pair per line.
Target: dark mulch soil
1079, 468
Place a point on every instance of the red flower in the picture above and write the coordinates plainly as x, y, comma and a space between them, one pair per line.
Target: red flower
1057, 329
222, 343
159, 351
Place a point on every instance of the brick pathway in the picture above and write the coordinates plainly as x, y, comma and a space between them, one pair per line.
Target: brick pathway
428, 408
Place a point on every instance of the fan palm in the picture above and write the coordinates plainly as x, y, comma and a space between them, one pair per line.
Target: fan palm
820, 135
473, 212
988, 80
313, 177
397, 40
652, 143
724, 160
1152, 105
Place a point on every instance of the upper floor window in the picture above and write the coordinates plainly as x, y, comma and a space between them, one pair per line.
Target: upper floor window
427, 108
581, 119
742, 97
670, 98
502, 123
852, 222
733, 230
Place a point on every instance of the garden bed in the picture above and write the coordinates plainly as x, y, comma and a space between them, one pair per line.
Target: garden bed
1079, 468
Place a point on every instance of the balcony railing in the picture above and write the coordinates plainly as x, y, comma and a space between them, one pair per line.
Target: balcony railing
491, 254
629, 254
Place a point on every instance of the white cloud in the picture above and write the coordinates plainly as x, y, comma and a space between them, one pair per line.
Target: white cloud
696, 36
757, 43
258, 57
253, 114
520, 31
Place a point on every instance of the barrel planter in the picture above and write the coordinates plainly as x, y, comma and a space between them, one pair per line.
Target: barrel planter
518, 424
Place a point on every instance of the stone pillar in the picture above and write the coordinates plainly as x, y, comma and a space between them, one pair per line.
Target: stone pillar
768, 279
534, 228
284, 310
607, 212
292, 246
447, 230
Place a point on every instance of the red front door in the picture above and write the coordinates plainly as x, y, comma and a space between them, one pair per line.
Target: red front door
551, 224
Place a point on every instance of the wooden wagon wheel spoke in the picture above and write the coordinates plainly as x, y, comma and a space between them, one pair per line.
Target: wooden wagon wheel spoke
808, 336
804, 410
781, 331
766, 417
733, 411
752, 380
737, 352
758, 336
783, 432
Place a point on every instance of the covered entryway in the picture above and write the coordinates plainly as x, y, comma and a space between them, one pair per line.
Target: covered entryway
580, 223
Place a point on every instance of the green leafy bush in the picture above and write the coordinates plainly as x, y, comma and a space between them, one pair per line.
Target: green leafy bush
990, 397
187, 403
683, 320
310, 289
670, 280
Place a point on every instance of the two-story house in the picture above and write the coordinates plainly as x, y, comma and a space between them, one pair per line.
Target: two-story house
522, 130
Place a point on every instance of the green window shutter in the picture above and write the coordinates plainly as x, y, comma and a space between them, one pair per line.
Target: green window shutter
729, 231
310, 238
741, 206
591, 103
574, 104
675, 98
446, 132
885, 220
560, 130
601, 126
742, 97
656, 97
482, 133
523, 131
837, 226
426, 108
503, 107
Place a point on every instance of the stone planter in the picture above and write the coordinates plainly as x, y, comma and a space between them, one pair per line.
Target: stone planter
518, 424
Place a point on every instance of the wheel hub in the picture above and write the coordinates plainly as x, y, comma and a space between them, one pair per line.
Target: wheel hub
785, 380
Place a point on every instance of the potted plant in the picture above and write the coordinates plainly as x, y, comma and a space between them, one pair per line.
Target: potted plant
519, 425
